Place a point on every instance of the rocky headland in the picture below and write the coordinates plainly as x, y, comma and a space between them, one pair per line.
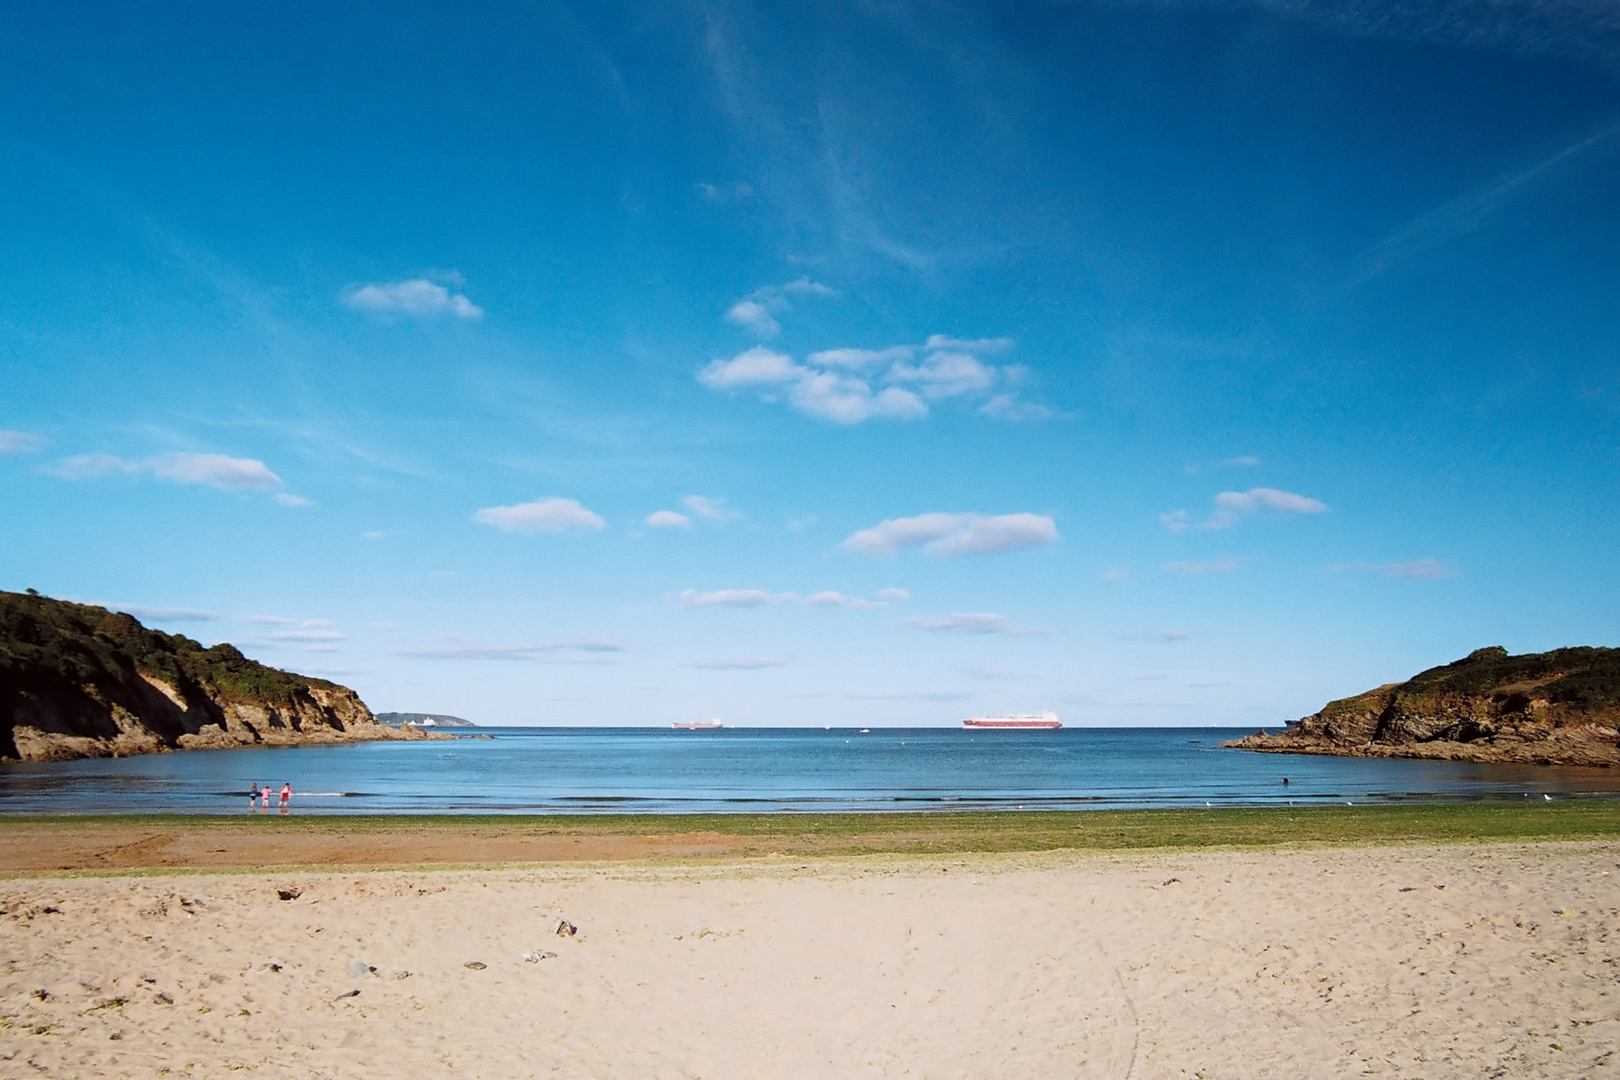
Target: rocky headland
1553, 708
81, 681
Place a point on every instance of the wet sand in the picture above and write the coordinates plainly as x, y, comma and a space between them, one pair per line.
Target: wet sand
1464, 960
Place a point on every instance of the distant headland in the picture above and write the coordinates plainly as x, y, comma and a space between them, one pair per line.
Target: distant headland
422, 719
1553, 708
82, 681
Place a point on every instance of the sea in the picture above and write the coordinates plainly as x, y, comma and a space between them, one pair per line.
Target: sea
564, 770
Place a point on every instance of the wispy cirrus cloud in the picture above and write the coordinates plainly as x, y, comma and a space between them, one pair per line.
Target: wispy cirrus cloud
219, 471
1232, 507
746, 598
148, 613
307, 635
747, 663
417, 298
954, 534
553, 515
1411, 570
1165, 636
711, 508
757, 312
20, 442
1199, 567
454, 648
733, 598
981, 622
899, 382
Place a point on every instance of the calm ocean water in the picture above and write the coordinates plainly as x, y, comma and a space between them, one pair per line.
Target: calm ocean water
640, 770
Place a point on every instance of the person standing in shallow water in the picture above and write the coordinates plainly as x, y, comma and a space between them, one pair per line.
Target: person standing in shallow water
265, 795
286, 793
253, 797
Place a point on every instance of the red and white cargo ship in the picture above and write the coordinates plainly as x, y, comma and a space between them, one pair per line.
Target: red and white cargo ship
1046, 721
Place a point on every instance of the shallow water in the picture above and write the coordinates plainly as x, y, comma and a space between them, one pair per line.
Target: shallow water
640, 770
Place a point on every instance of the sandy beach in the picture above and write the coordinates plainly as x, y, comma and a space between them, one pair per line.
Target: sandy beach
1417, 961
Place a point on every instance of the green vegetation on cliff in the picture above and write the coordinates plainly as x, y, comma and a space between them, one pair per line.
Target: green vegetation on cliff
1581, 681
74, 670
46, 640
1557, 707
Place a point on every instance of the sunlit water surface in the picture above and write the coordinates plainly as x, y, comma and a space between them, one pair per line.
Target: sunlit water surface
640, 770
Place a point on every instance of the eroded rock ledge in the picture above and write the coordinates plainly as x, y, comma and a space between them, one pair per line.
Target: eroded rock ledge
81, 681
1554, 708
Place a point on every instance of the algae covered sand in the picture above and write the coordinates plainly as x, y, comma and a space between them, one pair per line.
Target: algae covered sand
33, 844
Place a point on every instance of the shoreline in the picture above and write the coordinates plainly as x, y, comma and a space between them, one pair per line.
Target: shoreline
76, 844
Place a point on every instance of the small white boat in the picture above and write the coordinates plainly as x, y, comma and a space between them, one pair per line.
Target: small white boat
712, 725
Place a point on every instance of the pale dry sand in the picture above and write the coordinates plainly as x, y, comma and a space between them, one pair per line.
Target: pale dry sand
1412, 962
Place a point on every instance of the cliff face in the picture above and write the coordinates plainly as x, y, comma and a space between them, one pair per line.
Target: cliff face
1557, 708
82, 681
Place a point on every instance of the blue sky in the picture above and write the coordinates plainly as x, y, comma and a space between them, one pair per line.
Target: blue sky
799, 364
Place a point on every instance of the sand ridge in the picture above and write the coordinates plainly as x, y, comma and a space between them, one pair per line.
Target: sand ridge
1491, 960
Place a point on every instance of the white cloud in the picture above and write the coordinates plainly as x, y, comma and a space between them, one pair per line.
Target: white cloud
1231, 507
1194, 568
805, 287
974, 345
418, 298
946, 374
1166, 636
895, 534
19, 442
214, 470
1014, 409
970, 623
206, 470
541, 516
461, 649
163, 614
668, 519
1413, 570
756, 367
719, 194
852, 385
87, 466
726, 598
711, 509
955, 534
1418, 570
755, 316
754, 663
287, 498
307, 635
861, 359
278, 620
1006, 532
1255, 499
1114, 576
842, 399
757, 597
757, 311
893, 595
